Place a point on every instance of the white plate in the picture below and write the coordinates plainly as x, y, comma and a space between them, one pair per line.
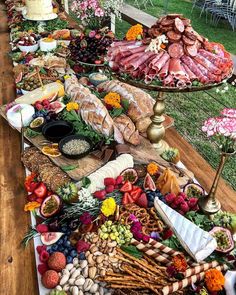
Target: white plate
50, 17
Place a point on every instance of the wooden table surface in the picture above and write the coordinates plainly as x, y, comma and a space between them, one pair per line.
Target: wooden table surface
17, 265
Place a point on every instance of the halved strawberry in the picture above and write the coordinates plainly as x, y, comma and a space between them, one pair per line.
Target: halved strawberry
126, 187
142, 201
127, 199
136, 192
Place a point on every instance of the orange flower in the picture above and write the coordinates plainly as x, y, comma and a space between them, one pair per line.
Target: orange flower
113, 100
179, 263
214, 280
152, 168
30, 206
134, 33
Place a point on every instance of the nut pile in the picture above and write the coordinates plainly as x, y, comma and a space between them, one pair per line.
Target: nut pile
102, 254
78, 279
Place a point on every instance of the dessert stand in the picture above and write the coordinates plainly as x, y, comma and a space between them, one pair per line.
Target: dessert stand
156, 130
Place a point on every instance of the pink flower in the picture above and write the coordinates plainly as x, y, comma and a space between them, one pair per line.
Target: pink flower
86, 218
99, 12
231, 113
84, 5
210, 126
92, 34
93, 4
83, 16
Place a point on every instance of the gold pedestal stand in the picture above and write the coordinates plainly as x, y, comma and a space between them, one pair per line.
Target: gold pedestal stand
156, 130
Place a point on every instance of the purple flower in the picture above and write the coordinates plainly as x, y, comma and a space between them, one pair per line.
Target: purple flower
92, 34
86, 218
155, 235
133, 218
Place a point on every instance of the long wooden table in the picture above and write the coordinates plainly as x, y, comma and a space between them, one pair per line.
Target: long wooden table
17, 265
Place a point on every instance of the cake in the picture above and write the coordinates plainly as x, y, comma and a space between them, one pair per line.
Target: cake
39, 10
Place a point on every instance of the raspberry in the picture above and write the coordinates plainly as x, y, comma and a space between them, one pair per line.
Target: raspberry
44, 255
41, 248
42, 268
42, 228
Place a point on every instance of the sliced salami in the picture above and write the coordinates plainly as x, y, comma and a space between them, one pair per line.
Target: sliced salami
173, 36
176, 50
186, 21
187, 41
191, 50
166, 29
189, 32
167, 22
179, 25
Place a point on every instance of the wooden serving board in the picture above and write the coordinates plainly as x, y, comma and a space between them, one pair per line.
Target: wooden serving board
86, 165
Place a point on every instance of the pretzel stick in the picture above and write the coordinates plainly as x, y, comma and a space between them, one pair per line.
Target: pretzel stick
120, 286
188, 281
121, 278
200, 268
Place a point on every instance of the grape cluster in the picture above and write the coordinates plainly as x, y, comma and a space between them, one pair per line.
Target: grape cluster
90, 49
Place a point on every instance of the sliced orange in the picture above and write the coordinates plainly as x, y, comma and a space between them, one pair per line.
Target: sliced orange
51, 150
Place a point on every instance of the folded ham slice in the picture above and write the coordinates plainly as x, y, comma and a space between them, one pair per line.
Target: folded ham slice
194, 68
164, 71
176, 69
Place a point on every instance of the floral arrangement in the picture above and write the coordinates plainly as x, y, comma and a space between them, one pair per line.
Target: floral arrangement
223, 128
135, 33
115, 104
108, 207
214, 280
72, 106
152, 168
93, 12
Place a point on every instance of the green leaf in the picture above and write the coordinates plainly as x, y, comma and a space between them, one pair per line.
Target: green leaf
125, 104
31, 133
43, 71
132, 250
69, 167
116, 112
86, 182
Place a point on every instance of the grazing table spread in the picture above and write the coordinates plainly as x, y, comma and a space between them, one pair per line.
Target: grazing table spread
109, 215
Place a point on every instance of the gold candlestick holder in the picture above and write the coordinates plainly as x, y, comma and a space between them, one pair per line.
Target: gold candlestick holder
209, 204
156, 130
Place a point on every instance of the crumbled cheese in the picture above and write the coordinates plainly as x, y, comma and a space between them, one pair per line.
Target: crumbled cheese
155, 44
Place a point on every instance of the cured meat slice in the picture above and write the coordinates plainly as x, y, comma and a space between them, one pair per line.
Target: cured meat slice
125, 61
174, 15
122, 43
167, 22
194, 68
187, 41
164, 71
136, 63
173, 36
207, 64
205, 72
160, 63
191, 50
191, 75
133, 50
215, 59
176, 69
169, 81
189, 32
179, 25
176, 50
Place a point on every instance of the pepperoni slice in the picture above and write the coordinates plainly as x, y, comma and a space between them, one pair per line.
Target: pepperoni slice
176, 50
188, 41
191, 50
167, 22
186, 21
179, 25
166, 29
173, 36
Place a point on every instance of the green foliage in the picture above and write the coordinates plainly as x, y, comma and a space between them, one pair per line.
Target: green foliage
200, 220
69, 167
31, 133
132, 250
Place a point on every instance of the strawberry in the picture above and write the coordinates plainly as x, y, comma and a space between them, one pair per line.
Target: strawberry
41, 190
109, 181
127, 199
101, 195
33, 185
119, 180
142, 201
136, 192
110, 188
126, 187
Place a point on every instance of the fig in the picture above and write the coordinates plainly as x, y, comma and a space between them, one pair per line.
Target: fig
57, 106
50, 238
223, 238
130, 175
50, 206
148, 183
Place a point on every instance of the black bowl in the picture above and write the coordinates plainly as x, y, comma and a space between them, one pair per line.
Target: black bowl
56, 130
71, 137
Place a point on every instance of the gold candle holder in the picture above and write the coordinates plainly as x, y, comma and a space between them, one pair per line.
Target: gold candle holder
156, 130
209, 204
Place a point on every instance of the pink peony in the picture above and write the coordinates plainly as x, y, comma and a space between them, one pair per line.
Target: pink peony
231, 113
99, 12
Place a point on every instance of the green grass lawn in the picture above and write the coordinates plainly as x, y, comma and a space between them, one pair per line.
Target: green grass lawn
191, 109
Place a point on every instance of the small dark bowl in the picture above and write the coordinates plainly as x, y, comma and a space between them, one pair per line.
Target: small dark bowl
56, 130
71, 137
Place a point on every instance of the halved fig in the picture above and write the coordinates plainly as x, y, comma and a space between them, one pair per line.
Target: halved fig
50, 238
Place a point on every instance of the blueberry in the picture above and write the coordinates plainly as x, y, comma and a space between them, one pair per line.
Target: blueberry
54, 247
66, 244
64, 229
82, 256
50, 251
61, 248
69, 259
66, 252
73, 253
60, 242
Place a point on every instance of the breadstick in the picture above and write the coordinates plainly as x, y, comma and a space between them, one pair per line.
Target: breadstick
120, 286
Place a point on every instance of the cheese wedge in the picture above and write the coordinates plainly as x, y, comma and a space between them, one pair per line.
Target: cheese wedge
198, 243
40, 94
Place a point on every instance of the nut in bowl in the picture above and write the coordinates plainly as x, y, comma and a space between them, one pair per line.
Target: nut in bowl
75, 146
97, 78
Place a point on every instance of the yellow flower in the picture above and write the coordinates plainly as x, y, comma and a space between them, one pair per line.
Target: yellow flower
72, 106
30, 206
214, 280
152, 168
108, 206
113, 99
134, 32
